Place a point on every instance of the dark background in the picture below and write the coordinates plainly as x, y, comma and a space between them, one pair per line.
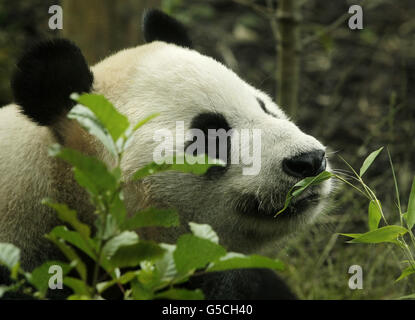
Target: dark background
356, 94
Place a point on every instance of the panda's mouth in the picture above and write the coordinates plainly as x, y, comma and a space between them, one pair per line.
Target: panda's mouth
251, 207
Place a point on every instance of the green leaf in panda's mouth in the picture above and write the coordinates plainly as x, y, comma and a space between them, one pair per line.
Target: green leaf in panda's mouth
303, 185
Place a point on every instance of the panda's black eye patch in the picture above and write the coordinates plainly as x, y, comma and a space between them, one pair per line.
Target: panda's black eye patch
216, 139
262, 105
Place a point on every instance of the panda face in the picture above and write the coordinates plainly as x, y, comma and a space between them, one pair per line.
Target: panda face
186, 87
189, 91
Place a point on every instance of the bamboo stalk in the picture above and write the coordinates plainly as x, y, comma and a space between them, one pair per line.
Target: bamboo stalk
288, 54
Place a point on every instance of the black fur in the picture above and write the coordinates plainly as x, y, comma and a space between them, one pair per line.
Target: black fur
210, 120
262, 105
46, 75
159, 26
242, 284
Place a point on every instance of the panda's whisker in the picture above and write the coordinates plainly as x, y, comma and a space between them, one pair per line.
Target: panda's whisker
332, 152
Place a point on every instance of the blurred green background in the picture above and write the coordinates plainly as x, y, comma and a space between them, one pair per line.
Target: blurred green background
356, 93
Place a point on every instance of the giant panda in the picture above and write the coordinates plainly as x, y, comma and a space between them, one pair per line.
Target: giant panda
166, 76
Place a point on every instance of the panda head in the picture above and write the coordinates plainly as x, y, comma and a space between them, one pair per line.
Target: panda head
189, 91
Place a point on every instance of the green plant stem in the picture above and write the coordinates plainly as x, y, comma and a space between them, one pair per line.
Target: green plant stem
350, 184
99, 248
396, 187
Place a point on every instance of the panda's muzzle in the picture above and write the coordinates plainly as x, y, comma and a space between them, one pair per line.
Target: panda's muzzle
308, 164
251, 207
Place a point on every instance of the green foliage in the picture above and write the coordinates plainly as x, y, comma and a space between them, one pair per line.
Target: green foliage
115, 244
369, 160
400, 235
410, 215
303, 185
394, 234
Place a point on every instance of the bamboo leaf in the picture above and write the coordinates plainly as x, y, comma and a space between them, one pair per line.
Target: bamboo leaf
369, 160
374, 214
410, 215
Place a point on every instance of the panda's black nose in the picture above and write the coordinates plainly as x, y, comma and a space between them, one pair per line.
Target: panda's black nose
307, 164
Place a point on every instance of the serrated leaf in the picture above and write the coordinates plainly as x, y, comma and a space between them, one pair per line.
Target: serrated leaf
180, 294
369, 160
87, 245
384, 234
410, 214
165, 265
40, 276
89, 122
132, 255
200, 166
140, 292
375, 214
90, 173
9, 255
70, 216
406, 272
204, 231
115, 122
193, 253
239, 262
126, 238
152, 217
70, 254
79, 287
117, 208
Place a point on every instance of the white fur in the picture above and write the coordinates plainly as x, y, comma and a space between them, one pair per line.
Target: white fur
178, 83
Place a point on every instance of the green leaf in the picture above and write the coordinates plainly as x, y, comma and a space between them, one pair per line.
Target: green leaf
132, 255
4, 289
140, 292
89, 122
70, 216
410, 215
408, 297
232, 261
105, 112
165, 265
87, 245
117, 208
123, 279
145, 120
40, 276
125, 238
9, 255
193, 252
78, 297
181, 294
69, 253
302, 185
199, 167
152, 217
79, 287
375, 214
408, 271
369, 160
90, 173
384, 234
204, 231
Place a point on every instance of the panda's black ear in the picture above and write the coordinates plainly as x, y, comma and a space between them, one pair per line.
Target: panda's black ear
159, 26
45, 77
